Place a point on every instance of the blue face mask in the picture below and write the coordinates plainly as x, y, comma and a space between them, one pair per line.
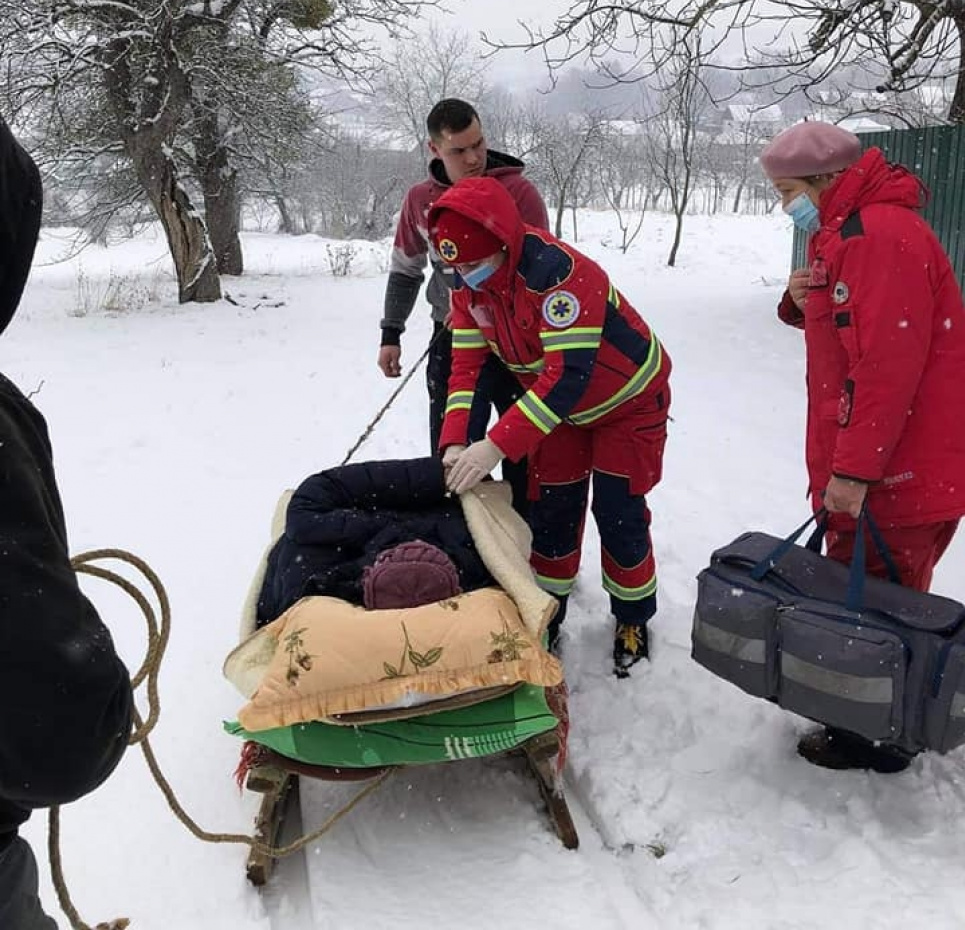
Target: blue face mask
804, 214
480, 273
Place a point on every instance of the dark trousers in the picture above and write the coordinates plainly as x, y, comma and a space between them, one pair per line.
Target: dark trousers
19, 901
497, 387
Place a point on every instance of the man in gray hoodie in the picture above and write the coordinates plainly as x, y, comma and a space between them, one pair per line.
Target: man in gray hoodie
459, 151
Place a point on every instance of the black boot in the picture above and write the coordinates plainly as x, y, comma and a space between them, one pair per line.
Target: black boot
553, 643
832, 748
630, 645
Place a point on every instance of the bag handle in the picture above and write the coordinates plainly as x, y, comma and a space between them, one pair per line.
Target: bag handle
856, 576
778, 552
856, 580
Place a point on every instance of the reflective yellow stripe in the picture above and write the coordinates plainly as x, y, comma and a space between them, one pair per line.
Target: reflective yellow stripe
636, 385
468, 339
582, 330
578, 337
561, 587
537, 412
629, 594
533, 368
459, 400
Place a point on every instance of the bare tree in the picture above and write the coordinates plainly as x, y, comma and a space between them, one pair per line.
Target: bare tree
506, 122
424, 70
562, 162
121, 81
621, 168
673, 139
732, 155
912, 41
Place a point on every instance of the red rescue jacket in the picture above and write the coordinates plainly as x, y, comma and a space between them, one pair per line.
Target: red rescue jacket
554, 319
884, 326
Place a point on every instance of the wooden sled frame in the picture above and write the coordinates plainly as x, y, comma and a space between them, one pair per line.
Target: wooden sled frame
278, 786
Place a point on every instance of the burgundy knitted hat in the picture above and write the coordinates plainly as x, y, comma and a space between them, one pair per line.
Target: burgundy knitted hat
460, 240
409, 575
809, 149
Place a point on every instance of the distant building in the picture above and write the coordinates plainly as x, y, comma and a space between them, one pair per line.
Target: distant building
860, 124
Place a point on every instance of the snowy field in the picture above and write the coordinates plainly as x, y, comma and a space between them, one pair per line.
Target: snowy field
176, 428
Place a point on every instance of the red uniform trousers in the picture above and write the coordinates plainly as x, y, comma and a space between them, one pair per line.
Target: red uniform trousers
623, 454
915, 551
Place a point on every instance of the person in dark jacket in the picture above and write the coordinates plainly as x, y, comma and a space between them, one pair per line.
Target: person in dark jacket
884, 333
340, 520
459, 151
66, 696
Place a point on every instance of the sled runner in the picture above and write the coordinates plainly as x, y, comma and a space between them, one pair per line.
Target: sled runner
276, 778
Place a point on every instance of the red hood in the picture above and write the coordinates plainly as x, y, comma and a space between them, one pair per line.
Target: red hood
488, 203
870, 180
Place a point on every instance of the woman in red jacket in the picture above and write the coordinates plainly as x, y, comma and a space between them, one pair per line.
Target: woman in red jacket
595, 404
884, 328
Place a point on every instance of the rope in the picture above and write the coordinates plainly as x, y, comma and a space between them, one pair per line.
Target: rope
147, 674
384, 409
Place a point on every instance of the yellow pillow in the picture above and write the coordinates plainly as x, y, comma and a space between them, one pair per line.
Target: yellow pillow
325, 658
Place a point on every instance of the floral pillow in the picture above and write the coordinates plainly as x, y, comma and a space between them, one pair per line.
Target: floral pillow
326, 659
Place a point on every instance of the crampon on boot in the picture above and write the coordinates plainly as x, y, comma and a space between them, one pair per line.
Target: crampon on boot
630, 645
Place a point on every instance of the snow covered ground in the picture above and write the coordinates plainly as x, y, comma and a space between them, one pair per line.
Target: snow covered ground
176, 428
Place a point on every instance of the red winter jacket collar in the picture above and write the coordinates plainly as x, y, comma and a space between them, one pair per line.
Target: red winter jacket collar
869, 180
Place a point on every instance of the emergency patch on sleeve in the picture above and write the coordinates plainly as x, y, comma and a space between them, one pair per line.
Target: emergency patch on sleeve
840, 294
560, 309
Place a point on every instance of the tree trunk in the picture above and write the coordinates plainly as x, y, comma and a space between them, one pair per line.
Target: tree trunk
222, 211
219, 187
956, 112
678, 231
737, 196
576, 231
187, 236
560, 208
285, 222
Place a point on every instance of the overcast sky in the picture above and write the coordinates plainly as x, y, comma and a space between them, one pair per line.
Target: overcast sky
499, 20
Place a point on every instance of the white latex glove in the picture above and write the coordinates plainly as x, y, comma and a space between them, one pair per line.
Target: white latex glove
473, 465
451, 454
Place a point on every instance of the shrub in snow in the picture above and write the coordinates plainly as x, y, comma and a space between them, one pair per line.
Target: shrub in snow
340, 258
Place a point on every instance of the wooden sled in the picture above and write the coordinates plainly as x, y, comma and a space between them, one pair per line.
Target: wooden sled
276, 779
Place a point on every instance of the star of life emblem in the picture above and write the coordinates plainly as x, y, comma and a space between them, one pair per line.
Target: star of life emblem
560, 309
448, 250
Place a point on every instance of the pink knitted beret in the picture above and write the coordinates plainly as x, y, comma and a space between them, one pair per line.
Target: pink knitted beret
409, 575
809, 149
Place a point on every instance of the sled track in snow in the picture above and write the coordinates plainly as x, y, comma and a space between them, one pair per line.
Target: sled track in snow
467, 841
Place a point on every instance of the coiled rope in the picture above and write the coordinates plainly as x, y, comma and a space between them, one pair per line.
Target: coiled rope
147, 675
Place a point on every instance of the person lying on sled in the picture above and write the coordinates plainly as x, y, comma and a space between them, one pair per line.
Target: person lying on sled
596, 398
345, 521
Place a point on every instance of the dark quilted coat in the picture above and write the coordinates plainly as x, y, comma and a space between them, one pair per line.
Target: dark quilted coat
339, 520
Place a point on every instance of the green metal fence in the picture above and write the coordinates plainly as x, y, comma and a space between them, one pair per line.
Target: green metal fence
937, 155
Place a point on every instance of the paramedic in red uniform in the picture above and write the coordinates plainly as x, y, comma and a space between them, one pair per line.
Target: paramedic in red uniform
884, 331
595, 402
